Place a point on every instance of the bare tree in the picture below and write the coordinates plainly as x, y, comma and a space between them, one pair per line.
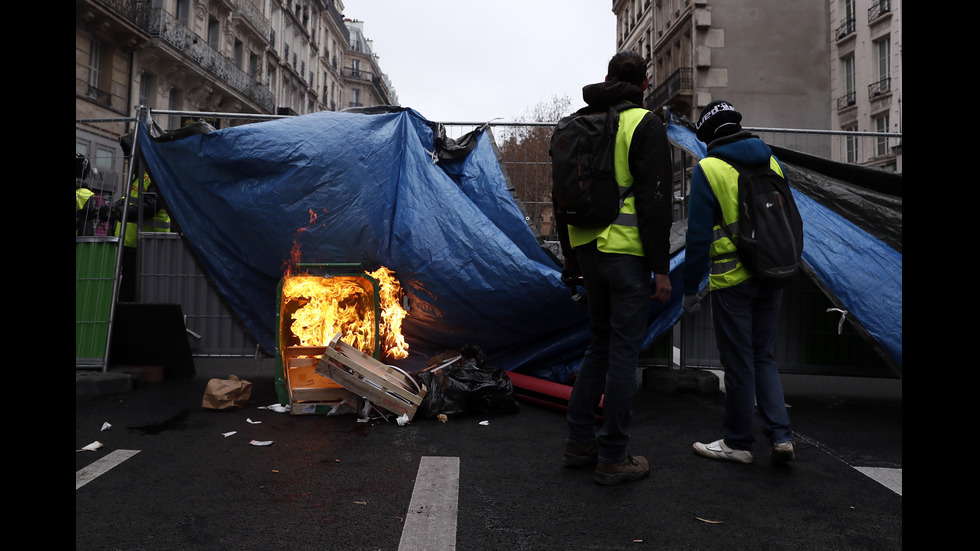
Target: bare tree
524, 151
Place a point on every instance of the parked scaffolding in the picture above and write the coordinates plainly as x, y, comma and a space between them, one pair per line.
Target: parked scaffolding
811, 339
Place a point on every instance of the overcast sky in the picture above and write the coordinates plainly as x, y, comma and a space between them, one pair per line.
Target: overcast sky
479, 60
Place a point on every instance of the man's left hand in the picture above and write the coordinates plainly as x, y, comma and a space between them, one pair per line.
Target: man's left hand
661, 292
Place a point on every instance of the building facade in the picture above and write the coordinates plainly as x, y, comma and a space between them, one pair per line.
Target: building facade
271, 57
866, 78
364, 83
784, 65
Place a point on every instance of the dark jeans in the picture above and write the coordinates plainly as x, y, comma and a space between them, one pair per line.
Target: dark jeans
618, 288
745, 318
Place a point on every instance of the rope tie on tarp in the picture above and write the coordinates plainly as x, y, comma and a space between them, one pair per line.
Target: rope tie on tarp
843, 316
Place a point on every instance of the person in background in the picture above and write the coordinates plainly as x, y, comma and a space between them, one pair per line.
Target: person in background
616, 263
86, 208
744, 310
155, 219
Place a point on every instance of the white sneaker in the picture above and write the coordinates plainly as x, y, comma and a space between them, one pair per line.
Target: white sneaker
783, 451
718, 450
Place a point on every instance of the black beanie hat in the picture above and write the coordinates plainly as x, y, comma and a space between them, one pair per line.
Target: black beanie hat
717, 119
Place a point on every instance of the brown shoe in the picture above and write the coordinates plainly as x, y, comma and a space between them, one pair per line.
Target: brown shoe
583, 454
630, 468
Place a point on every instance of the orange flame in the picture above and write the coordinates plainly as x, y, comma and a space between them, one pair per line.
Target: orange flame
345, 305
392, 313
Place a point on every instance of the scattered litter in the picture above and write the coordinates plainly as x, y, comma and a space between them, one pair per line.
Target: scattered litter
232, 392
227, 434
261, 442
484, 423
345, 407
709, 521
91, 447
402, 420
442, 417
361, 502
276, 408
247, 420
106, 426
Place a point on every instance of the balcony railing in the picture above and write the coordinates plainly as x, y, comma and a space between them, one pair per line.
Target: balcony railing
847, 100
338, 20
255, 18
879, 8
846, 28
135, 11
356, 74
100, 96
681, 79
878, 88
167, 28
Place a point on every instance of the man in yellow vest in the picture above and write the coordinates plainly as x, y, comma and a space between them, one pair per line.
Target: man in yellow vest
616, 262
744, 310
155, 219
86, 209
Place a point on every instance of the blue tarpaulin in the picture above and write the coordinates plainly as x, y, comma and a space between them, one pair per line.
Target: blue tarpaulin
852, 225
375, 189
383, 189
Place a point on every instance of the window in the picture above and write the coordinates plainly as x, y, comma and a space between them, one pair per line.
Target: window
849, 11
144, 90
98, 80
213, 33
95, 64
184, 12
173, 103
81, 147
882, 50
881, 142
848, 23
253, 66
103, 160
239, 54
851, 145
847, 68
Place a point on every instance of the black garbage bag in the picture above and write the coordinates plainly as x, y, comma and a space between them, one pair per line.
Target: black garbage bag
460, 381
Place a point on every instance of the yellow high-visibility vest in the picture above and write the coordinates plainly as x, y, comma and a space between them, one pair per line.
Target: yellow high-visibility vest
726, 268
623, 235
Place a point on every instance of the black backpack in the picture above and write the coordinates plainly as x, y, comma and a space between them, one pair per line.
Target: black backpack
584, 187
770, 240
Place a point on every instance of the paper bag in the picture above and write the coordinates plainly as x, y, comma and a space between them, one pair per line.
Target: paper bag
226, 393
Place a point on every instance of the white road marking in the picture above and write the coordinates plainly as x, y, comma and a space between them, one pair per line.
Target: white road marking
430, 523
890, 478
99, 467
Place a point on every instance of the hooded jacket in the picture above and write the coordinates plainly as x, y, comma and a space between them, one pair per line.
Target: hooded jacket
649, 162
703, 208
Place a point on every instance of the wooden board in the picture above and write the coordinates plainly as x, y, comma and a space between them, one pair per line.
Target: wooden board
310, 392
385, 386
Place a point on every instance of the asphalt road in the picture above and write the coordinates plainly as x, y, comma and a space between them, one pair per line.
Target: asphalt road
171, 475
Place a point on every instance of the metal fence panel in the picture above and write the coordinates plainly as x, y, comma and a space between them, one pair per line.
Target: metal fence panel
810, 339
169, 274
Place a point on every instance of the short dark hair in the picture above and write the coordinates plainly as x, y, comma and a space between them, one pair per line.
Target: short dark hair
627, 66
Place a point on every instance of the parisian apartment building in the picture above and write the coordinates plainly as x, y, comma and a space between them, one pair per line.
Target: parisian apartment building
253, 57
814, 65
820, 64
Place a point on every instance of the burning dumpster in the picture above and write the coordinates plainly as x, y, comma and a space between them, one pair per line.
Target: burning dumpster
353, 316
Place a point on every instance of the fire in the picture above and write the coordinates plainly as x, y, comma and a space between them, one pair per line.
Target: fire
345, 305
392, 313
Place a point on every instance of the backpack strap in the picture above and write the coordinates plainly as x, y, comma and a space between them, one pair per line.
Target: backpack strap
616, 110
